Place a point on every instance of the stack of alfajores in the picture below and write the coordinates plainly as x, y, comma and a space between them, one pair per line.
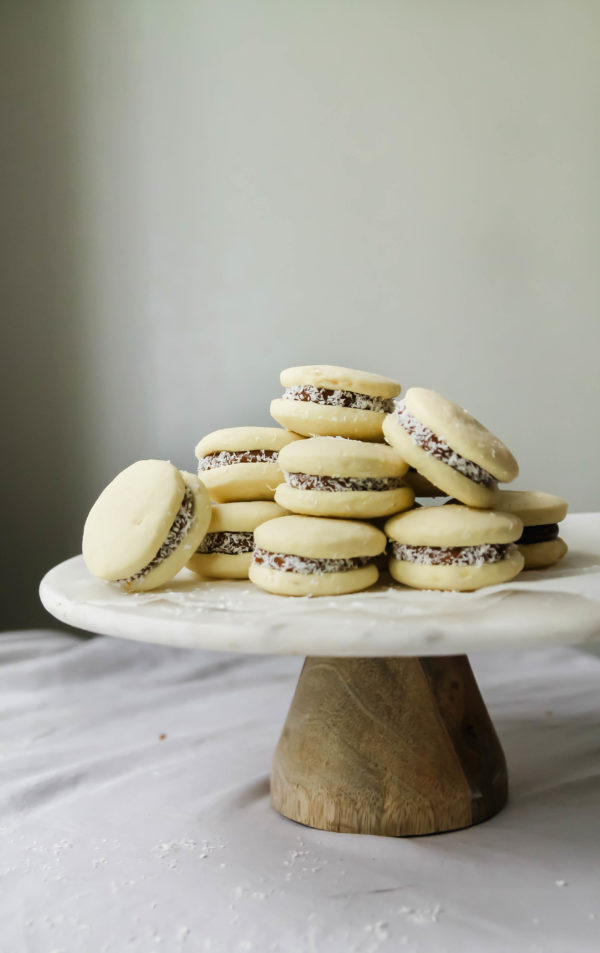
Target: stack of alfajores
319, 505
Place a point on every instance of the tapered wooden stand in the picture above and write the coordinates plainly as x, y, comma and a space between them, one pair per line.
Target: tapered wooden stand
393, 746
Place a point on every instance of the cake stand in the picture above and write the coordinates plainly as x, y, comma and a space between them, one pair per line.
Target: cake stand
387, 732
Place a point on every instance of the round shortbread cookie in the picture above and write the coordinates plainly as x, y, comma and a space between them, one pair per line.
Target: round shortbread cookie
347, 504
462, 432
132, 519
244, 480
533, 507
338, 457
312, 419
459, 578
440, 474
244, 438
320, 538
315, 584
332, 377
540, 555
453, 525
233, 518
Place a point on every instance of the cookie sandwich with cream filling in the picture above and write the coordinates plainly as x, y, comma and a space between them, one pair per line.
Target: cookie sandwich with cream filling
449, 447
453, 547
334, 476
240, 463
145, 525
314, 556
540, 514
226, 550
330, 401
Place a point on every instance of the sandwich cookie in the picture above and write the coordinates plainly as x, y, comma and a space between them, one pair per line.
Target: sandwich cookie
540, 514
332, 476
324, 400
453, 547
226, 550
312, 556
240, 463
145, 525
449, 447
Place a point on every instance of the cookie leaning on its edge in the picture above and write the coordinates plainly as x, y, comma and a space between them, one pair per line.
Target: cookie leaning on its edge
313, 556
226, 550
240, 463
449, 447
329, 401
145, 525
453, 547
540, 514
333, 476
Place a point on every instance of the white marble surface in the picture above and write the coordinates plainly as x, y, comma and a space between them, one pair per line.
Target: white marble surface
556, 605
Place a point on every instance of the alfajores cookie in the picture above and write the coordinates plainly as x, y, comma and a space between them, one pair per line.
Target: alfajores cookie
226, 550
453, 547
421, 485
330, 401
449, 447
313, 556
240, 463
333, 476
540, 514
145, 525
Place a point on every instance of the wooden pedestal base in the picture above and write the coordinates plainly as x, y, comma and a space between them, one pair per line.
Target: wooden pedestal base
393, 746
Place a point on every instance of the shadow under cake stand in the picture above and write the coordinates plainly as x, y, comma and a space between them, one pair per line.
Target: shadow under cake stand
387, 732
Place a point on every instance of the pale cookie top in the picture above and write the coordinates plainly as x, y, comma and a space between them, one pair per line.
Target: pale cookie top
453, 525
332, 377
320, 538
462, 432
132, 517
533, 507
242, 517
245, 438
339, 457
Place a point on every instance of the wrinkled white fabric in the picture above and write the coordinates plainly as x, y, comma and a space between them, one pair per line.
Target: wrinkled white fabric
115, 840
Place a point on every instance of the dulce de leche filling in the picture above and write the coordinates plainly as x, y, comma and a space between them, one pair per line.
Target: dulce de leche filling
286, 562
544, 533
309, 481
231, 543
179, 528
437, 448
225, 458
338, 398
451, 555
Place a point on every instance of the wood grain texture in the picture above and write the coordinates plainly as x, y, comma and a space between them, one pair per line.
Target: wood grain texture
397, 746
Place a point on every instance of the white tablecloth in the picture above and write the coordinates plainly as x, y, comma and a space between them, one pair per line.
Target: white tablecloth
135, 817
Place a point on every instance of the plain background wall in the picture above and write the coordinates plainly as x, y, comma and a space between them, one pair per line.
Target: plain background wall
197, 194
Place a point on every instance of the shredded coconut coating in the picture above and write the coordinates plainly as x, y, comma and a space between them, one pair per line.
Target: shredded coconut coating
309, 481
437, 448
225, 458
179, 529
286, 562
231, 543
451, 555
338, 398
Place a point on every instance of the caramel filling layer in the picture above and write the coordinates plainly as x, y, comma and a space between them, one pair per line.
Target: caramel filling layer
225, 458
539, 534
435, 447
231, 543
451, 555
339, 398
179, 528
309, 481
286, 562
